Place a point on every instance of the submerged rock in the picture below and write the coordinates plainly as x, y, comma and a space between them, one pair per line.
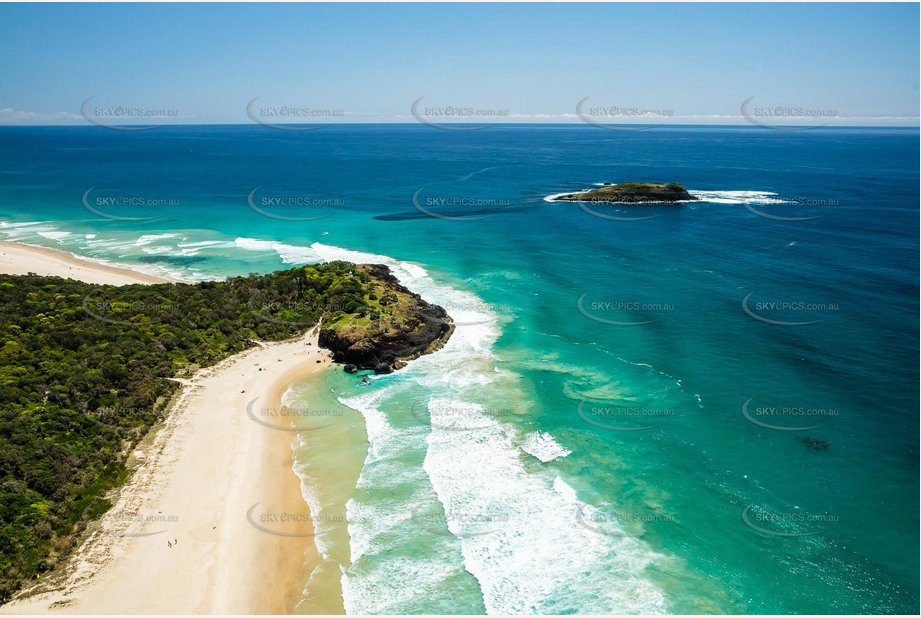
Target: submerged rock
814, 444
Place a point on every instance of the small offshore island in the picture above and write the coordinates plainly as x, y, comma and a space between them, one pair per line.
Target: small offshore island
630, 193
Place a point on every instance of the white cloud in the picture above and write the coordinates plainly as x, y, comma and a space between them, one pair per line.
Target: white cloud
9, 116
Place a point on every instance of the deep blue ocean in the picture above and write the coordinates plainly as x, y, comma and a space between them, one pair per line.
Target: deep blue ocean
709, 407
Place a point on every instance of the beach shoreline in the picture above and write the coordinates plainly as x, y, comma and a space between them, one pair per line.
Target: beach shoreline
182, 536
22, 259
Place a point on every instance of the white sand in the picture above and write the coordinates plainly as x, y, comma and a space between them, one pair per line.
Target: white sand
197, 475
18, 259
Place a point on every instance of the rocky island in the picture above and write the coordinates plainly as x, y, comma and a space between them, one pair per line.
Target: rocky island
396, 325
630, 193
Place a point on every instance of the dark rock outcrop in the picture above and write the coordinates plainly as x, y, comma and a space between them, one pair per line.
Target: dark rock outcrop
631, 193
422, 328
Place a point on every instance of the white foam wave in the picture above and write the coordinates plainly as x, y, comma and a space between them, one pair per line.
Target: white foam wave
456, 415
376, 523
552, 198
157, 250
737, 197
293, 254
566, 492
251, 244
531, 555
146, 239
194, 248
110, 245
12, 224
289, 254
380, 432
54, 235
26, 230
541, 444
413, 588
330, 253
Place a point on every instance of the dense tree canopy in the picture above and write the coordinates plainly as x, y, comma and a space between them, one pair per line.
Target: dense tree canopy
83, 375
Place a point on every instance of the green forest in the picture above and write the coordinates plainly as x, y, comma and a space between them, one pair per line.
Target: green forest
83, 376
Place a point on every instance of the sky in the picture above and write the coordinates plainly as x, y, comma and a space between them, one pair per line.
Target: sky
822, 63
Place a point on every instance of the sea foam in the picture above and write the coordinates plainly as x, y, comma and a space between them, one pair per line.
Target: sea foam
518, 532
542, 445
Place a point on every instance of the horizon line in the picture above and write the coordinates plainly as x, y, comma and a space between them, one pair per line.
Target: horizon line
479, 124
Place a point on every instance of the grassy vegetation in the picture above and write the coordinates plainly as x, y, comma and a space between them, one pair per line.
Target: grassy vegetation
632, 192
83, 375
386, 312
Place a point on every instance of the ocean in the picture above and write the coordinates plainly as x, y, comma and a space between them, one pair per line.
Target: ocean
709, 407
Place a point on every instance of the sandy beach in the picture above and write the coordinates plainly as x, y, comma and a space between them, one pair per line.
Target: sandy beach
19, 259
212, 519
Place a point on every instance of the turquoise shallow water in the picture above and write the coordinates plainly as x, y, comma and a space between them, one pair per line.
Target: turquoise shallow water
589, 440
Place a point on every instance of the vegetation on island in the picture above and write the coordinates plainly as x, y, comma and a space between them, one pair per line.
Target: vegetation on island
631, 193
398, 326
84, 374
